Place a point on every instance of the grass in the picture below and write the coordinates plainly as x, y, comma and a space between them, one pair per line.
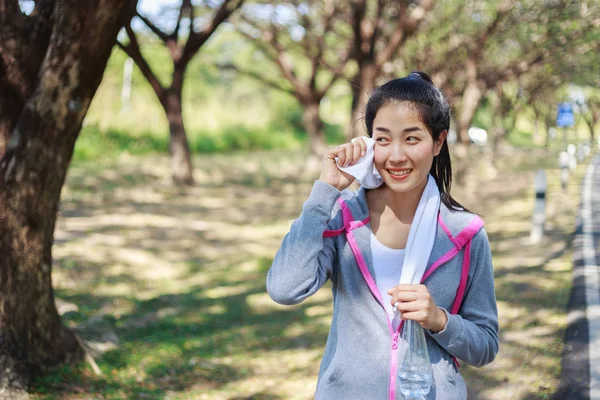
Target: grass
94, 144
167, 284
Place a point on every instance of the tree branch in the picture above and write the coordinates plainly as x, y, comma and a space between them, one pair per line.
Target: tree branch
258, 77
260, 44
280, 58
277, 50
338, 70
376, 27
272, 49
358, 16
133, 50
185, 4
197, 39
317, 59
286, 67
222, 14
328, 86
479, 43
192, 16
309, 43
156, 30
407, 24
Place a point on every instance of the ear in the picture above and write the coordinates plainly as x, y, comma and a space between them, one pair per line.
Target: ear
437, 146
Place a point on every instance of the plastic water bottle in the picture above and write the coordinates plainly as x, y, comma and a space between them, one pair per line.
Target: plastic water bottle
414, 383
415, 376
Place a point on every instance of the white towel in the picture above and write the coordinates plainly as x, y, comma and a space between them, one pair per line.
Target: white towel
423, 228
422, 234
420, 238
364, 170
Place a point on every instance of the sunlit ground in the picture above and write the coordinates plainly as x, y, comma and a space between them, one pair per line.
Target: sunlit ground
167, 285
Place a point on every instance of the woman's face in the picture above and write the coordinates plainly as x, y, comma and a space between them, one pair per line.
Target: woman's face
404, 148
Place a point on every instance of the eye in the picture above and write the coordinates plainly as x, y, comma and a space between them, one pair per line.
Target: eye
381, 140
412, 139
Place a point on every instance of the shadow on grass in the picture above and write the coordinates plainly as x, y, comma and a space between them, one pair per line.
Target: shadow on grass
171, 343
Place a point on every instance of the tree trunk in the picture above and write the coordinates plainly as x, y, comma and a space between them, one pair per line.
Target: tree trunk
536, 130
538, 123
497, 129
314, 128
470, 101
179, 149
590, 123
362, 85
33, 167
548, 139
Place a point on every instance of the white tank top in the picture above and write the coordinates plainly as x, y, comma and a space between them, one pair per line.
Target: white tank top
387, 264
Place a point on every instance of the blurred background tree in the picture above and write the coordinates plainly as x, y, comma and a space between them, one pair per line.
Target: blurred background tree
380, 29
304, 40
182, 47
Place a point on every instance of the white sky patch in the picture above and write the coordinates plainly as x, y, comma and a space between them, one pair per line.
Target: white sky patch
154, 7
26, 6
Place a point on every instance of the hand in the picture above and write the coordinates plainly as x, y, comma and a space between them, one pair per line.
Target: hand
415, 303
348, 154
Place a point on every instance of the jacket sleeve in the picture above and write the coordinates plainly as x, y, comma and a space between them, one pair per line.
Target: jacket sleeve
472, 334
305, 260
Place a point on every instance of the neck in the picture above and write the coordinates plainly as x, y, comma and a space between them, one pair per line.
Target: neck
403, 205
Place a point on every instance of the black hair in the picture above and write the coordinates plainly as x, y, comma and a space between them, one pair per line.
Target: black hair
433, 107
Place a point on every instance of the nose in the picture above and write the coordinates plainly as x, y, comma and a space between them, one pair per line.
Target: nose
398, 153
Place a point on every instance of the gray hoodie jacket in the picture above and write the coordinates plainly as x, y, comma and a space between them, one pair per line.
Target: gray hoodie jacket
361, 349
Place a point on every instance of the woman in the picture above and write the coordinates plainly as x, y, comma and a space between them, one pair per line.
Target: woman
367, 241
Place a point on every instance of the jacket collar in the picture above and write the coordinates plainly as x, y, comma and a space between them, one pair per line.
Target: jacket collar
453, 222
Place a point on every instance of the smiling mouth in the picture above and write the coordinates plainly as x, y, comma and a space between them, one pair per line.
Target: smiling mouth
400, 172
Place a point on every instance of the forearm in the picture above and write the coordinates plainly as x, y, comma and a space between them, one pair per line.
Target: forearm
472, 335
304, 261
477, 345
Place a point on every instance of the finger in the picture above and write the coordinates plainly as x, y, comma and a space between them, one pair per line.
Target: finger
349, 152
362, 142
401, 288
417, 316
410, 306
409, 303
332, 153
357, 151
403, 297
410, 287
363, 145
341, 154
